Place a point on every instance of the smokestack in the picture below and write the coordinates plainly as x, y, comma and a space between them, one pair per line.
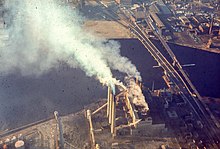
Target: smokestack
108, 100
113, 131
88, 113
111, 111
59, 123
110, 106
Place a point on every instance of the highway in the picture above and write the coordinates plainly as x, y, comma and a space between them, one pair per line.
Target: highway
176, 74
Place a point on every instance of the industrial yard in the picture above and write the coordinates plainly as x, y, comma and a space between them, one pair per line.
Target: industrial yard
148, 101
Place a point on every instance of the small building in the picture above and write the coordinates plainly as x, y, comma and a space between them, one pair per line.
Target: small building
180, 12
203, 28
148, 128
139, 16
184, 20
124, 2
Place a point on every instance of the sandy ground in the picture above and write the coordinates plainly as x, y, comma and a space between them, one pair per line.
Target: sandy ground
100, 23
107, 29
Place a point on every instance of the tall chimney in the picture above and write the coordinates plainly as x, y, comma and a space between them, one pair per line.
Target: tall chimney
59, 123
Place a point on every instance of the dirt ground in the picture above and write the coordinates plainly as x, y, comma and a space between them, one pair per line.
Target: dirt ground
107, 29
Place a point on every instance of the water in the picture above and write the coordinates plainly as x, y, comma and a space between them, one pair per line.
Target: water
205, 75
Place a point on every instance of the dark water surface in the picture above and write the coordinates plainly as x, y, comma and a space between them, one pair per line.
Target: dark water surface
205, 75
27, 99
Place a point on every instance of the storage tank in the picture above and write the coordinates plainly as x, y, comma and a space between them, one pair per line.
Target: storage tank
19, 144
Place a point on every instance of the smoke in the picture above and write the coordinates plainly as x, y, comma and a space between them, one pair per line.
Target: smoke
117, 62
44, 33
135, 93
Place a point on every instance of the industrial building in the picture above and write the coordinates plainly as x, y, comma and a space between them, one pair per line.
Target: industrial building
163, 8
155, 17
160, 8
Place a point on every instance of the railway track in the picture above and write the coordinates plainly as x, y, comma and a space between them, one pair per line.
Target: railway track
12, 131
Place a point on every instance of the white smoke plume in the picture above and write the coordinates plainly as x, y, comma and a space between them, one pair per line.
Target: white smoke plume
43, 33
136, 95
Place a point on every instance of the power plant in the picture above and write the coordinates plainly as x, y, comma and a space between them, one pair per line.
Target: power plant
144, 96
130, 101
